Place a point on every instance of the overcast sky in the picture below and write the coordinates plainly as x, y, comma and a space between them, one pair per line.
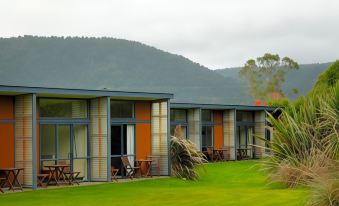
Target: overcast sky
215, 33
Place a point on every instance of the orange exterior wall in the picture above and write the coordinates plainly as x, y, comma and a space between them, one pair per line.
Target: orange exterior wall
218, 129
143, 130
6, 132
6, 107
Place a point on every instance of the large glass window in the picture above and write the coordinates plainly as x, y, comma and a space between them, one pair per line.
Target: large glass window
79, 142
183, 129
206, 115
80, 149
64, 144
245, 139
63, 108
122, 109
48, 141
268, 139
207, 137
178, 115
243, 116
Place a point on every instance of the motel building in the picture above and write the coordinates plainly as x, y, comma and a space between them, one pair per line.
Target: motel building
91, 129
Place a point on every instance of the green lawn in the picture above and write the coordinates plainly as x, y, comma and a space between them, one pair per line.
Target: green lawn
231, 183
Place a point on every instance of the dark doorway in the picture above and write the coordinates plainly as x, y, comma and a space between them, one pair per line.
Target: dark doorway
122, 143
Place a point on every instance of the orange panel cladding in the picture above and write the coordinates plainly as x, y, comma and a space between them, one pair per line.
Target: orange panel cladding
218, 128
6, 107
6, 132
143, 129
143, 110
6, 145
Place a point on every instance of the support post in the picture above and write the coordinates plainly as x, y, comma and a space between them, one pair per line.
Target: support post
34, 142
235, 134
108, 139
169, 137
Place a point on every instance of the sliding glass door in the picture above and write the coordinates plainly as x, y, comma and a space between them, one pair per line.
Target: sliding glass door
245, 138
64, 144
206, 137
122, 143
79, 150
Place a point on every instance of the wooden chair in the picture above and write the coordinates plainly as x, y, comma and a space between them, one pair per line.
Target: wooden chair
114, 173
210, 153
41, 178
2, 182
70, 176
226, 154
243, 154
155, 163
131, 171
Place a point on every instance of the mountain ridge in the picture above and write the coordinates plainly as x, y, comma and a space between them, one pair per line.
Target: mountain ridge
114, 64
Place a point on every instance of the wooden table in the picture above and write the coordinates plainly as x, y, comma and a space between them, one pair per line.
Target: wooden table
56, 172
242, 153
14, 172
147, 165
156, 162
219, 154
2, 181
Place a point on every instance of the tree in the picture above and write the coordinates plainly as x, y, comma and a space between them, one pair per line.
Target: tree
266, 74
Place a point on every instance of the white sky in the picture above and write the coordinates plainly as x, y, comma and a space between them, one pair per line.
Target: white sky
215, 33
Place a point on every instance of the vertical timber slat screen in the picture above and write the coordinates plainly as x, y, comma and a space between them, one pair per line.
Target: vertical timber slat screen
159, 134
23, 137
98, 139
229, 133
259, 129
194, 127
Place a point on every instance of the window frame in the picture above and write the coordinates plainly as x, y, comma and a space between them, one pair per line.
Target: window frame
122, 118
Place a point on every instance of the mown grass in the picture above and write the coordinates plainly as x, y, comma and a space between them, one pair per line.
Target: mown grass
230, 183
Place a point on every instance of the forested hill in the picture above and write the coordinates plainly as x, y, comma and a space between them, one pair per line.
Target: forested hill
302, 79
115, 64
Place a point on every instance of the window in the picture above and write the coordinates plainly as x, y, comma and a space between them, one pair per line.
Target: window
207, 137
64, 143
47, 141
122, 109
243, 116
268, 139
178, 115
206, 115
183, 129
63, 108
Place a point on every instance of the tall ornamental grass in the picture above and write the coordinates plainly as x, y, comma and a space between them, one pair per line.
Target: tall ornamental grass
305, 146
306, 139
185, 157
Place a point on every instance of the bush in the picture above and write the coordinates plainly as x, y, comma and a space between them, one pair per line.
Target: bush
306, 139
185, 157
284, 102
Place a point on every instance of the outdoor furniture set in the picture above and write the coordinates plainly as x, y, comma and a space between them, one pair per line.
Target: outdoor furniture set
9, 178
243, 153
57, 174
142, 167
216, 154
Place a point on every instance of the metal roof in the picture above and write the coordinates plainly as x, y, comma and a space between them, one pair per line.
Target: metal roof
43, 91
221, 107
